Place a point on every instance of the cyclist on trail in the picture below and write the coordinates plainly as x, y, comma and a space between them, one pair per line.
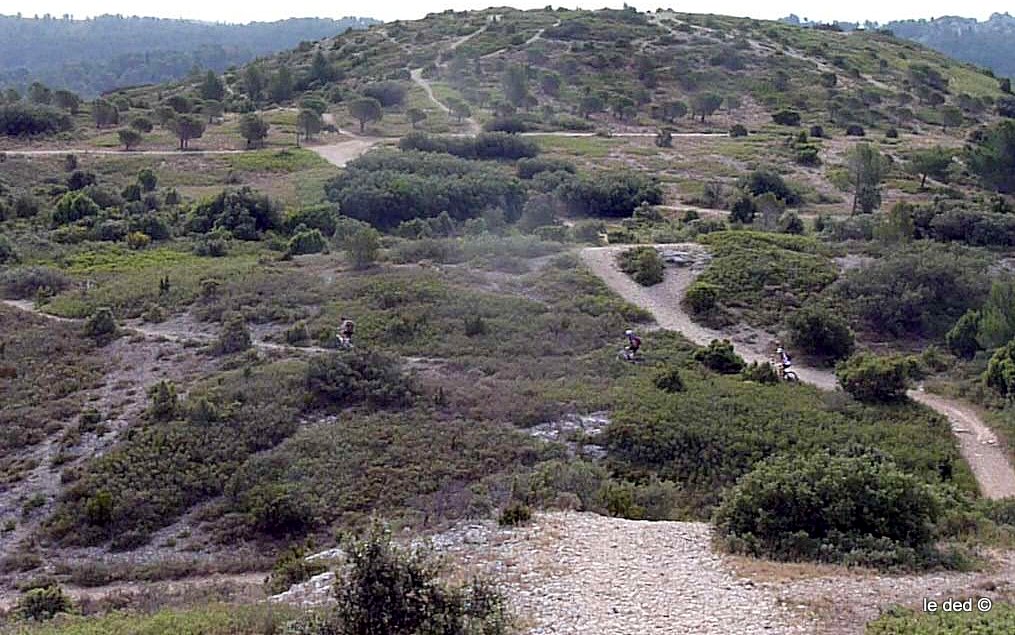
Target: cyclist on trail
633, 344
783, 359
345, 332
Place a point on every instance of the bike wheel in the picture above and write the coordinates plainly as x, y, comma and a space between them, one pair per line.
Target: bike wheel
790, 376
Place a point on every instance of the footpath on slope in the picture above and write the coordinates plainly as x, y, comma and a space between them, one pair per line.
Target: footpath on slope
977, 443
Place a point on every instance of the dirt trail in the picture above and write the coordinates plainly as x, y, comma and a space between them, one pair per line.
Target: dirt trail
977, 443
179, 331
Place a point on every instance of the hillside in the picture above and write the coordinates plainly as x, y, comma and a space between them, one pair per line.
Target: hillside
629, 68
990, 44
96, 55
494, 199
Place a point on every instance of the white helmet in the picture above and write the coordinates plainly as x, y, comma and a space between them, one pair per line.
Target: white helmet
628, 332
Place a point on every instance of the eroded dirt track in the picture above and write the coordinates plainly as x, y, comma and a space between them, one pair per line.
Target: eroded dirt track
977, 443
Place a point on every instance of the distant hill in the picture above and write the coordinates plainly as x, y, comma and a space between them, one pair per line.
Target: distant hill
95, 55
990, 44
545, 70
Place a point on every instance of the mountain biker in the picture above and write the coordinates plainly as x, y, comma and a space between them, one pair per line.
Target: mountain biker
783, 358
633, 344
345, 332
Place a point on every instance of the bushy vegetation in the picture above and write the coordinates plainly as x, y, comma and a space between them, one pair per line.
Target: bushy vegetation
244, 213
386, 188
643, 264
821, 332
720, 357
385, 589
855, 509
44, 603
615, 194
919, 291
23, 120
874, 379
763, 277
486, 145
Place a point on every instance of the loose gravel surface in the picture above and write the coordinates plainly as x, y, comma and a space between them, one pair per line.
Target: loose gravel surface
579, 573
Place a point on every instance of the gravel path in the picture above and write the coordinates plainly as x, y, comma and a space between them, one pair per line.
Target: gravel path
977, 443
579, 574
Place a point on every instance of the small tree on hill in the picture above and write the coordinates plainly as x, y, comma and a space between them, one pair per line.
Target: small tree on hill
67, 100
867, 169
704, 104
993, 158
673, 110
212, 87
186, 128
951, 117
459, 109
365, 109
104, 113
101, 323
309, 123
415, 116
254, 129
141, 124
129, 138
932, 162
281, 87
962, 338
363, 245
235, 336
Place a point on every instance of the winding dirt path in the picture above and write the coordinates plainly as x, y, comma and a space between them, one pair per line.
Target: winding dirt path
977, 443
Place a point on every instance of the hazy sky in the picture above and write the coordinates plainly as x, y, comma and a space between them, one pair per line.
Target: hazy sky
233, 11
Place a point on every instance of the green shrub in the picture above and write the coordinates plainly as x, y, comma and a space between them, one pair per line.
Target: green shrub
307, 241
872, 378
738, 130
763, 373
610, 194
720, 357
643, 264
321, 217
486, 145
8, 255
702, 297
386, 590
670, 380
298, 334
363, 246
244, 213
761, 182
347, 378
44, 603
530, 167
790, 223
851, 509
279, 510
819, 331
235, 335
385, 188
962, 338
516, 513
291, 567
1000, 374
915, 291
787, 118
73, 206
100, 323
743, 210
162, 401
